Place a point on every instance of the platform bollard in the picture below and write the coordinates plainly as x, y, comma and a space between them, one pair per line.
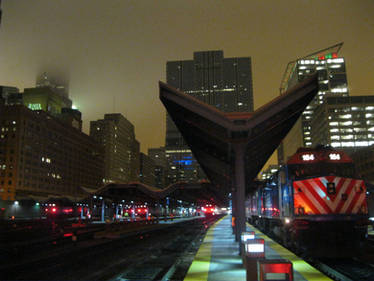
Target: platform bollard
278, 269
248, 235
254, 251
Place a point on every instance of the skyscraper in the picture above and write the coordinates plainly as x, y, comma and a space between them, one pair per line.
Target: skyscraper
47, 96
225, 83
332, 80
117, 136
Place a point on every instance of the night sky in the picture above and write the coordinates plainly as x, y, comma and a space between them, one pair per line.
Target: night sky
114, 52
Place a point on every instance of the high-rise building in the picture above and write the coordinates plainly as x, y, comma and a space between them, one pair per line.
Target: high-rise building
117, 135
332, 80
225, 83
345, 122
147, 170
41, 156
10, 95
47, 96
158, 156
364, 163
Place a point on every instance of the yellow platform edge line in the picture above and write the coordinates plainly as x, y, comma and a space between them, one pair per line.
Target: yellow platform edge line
305, 269
199, 269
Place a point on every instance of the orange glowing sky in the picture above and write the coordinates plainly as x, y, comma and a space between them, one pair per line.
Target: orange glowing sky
114, 52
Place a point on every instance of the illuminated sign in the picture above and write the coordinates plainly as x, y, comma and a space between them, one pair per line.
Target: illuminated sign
334, 156
35, 106
307, 157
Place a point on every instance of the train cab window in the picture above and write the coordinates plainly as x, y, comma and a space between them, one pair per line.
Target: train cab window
299, 171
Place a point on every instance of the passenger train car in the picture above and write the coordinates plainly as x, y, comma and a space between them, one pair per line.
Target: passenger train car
314, 203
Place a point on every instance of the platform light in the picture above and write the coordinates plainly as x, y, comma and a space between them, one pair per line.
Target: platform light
16, 203
247, 236
371, 218
255, 248
287, 220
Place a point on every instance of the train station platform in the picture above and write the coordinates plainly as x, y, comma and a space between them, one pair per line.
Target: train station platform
218, 257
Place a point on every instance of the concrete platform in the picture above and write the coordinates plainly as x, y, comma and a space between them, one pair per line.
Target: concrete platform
218, 257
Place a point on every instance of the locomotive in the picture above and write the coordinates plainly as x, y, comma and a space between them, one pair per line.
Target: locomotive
314, 204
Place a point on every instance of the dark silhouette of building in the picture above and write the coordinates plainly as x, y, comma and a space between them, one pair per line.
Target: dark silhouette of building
225, 83
159, 157
147, 170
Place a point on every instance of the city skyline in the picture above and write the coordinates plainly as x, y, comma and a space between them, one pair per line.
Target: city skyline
114, 54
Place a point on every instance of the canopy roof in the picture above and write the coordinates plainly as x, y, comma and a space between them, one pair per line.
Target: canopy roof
213, 135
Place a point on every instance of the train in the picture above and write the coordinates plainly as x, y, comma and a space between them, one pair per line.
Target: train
314, 204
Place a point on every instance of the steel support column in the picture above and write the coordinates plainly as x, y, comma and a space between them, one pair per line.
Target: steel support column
240, 190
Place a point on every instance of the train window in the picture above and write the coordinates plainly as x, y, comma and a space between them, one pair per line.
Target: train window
299, 171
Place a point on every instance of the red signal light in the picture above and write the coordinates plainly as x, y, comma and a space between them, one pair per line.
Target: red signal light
54, 210
46, 209
334, 55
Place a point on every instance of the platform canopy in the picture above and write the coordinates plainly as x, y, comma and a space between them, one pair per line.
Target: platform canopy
214, 136
201, 193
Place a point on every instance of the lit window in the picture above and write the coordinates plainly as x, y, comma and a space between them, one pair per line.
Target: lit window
347, 123
335, 144
348, 144
361, 143
367, 115
334, 130
333, 123
346, 116
369, 108
335, 137
347, 137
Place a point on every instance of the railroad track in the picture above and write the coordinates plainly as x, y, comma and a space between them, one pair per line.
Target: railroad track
346, 269
147, 252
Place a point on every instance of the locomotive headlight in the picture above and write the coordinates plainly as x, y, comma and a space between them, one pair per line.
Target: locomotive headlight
371, 218
287, 220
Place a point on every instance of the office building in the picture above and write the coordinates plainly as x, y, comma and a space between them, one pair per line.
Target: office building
47, 96
158, 156
225, 83
117, 135
364, 163
147, 170
10, 95
332, 81
345, 122
41, 156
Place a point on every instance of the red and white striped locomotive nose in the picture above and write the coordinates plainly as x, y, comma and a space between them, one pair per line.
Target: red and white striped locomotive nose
329, 195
